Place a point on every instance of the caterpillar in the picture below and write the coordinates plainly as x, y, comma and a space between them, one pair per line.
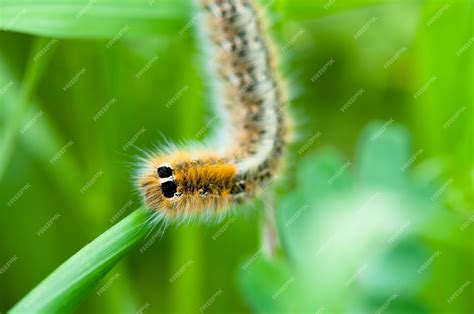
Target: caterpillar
180, 184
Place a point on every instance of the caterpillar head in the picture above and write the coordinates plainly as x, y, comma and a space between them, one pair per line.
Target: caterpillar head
183, 185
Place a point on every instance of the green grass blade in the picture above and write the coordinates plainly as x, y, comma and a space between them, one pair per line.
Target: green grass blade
94, 19
112, 19
69, 284
41, 140
34, 71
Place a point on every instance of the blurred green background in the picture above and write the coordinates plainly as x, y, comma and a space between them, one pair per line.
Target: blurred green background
84, 85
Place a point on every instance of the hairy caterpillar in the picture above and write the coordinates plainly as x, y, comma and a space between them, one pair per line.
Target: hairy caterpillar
187, 184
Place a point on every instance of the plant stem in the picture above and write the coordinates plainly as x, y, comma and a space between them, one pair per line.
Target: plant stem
270, 239
65, 288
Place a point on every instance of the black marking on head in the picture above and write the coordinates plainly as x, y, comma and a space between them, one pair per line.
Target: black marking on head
164, 172
169, 188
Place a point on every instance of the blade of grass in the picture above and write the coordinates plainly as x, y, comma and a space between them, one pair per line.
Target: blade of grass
106, 19
98, 19
34, 70
71, 282
41, 139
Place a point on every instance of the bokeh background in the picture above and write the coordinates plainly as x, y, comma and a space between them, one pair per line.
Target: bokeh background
375, 210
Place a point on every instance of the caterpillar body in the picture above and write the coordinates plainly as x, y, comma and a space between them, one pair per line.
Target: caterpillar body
188, 184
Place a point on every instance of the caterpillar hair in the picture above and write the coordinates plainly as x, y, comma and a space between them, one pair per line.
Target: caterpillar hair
183, 184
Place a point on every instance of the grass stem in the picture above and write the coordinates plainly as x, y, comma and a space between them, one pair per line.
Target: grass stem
65, 288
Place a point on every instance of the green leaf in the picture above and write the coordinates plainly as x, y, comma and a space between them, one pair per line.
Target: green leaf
383, 152
269, 287
324, 174
397, 269
94, 19
356, 240
393, 303
71, 282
